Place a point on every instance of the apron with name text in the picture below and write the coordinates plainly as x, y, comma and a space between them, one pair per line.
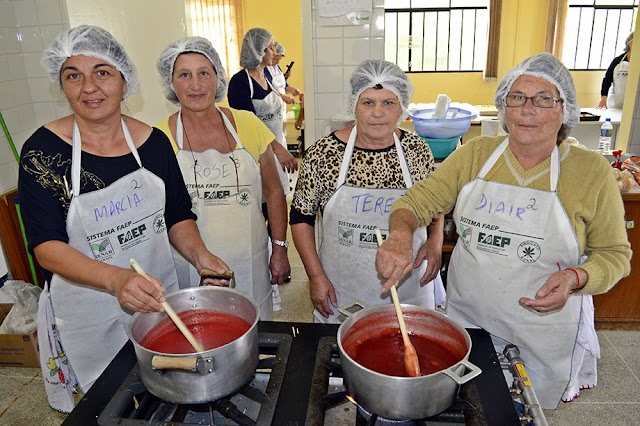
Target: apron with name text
349, 245
114, 224
229, 215
511, 239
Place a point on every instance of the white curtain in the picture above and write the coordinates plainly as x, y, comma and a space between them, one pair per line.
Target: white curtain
220, 21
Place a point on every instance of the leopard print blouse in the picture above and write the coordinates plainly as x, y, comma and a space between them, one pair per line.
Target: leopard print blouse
369, 168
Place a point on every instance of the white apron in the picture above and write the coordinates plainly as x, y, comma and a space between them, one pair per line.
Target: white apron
616, 91
269, 110
229, 215
511, 240
348, 248
122, 221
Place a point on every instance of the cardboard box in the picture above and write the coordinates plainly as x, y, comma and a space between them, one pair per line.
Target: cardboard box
18, 350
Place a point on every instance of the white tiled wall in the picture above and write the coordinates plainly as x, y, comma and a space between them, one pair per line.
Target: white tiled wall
27, 100
337, 50
634, 132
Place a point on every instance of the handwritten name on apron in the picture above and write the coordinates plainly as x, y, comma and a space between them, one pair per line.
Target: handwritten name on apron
367, 203
117, 207
504, 207
213, 171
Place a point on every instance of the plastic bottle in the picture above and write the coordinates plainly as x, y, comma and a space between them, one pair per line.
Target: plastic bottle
606, 131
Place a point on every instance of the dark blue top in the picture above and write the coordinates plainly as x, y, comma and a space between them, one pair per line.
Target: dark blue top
239, 92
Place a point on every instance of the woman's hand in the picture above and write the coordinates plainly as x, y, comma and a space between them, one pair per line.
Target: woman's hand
136, 293
603, 103
394, 259
323, 295
212, 264
288, 99
431, 252
279, 265
555, 292
287, 161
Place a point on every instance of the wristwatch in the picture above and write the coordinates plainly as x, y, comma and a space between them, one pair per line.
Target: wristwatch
284, 244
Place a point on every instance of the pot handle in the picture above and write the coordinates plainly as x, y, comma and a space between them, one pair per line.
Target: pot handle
199, 365
351, 308
474, 371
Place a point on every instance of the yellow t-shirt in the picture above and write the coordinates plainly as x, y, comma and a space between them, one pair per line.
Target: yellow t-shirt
253, 134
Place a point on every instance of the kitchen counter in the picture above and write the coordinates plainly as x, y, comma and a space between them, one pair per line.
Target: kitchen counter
619, 308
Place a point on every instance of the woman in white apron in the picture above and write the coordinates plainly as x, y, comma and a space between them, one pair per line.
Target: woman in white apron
225, 175
336, 180
102, 201
250, 90
537, 236
274, 73
614, 82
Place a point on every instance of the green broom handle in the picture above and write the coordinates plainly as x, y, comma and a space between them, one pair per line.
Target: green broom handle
6, 133
32, 266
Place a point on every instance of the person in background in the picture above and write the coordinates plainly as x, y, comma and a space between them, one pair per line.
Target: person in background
227, 163
250, 90
614, 82
98, 188
351, 177
278, 79
541, 228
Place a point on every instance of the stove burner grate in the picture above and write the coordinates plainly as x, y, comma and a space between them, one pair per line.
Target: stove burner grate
253, 404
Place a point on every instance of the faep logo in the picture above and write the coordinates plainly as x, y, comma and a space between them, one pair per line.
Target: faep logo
493, 240
132, 234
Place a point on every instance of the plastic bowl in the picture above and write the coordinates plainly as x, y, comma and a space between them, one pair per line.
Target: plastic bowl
442, 128
441, 148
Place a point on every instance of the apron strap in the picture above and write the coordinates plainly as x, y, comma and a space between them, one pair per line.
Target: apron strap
348, 153
76, 154
554, 171
250, 83
225, 120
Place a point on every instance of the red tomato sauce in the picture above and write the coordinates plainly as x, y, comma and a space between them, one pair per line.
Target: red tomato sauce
384, 353
211, 329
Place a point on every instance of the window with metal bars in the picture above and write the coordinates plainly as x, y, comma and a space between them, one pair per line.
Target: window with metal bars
436, 35
595, 32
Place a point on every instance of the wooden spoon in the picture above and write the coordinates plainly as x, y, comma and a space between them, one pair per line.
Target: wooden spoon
172, 314
411, 363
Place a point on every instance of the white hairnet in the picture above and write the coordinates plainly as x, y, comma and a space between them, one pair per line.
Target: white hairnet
253, 45
200, 45
90, 41
628, 41
372, 72
547, 66
278, 48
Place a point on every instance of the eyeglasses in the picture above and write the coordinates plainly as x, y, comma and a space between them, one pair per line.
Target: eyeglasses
218, 193
540, 101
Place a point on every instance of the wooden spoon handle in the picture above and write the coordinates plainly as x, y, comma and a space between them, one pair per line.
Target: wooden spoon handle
169, 310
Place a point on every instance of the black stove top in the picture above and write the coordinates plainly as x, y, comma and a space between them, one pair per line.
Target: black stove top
300, 349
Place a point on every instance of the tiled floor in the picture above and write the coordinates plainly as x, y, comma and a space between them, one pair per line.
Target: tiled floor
616, 400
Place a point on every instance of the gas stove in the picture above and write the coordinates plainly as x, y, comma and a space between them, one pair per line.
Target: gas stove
298, 381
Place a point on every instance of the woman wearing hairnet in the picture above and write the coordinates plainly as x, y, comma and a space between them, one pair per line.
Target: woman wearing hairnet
98, 188
278, 79
227, 163
352, 177
250, 90
614, 82
540, 225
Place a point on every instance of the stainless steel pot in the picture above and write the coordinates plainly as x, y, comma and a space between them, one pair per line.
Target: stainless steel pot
205, 376
405, 397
